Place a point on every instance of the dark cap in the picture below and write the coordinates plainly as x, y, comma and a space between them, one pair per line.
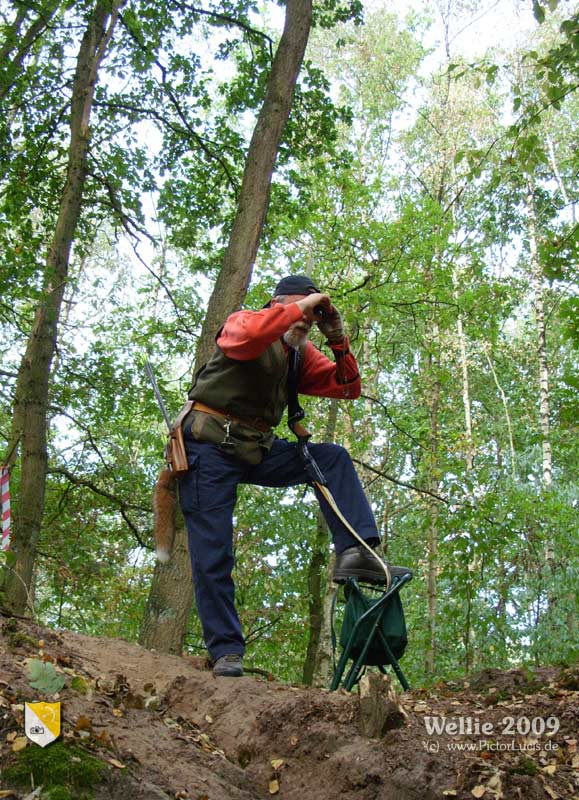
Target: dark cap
295, 284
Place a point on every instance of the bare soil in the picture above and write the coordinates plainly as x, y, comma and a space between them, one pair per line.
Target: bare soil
166, 728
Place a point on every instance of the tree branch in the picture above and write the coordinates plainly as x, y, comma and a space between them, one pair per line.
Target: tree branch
180, 113
122, 506
232, 21
398, 482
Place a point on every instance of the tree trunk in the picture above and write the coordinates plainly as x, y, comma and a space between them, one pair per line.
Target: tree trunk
560, 183
544, 400
316, 571
169, 602
544, 397
469, 454
10, 70
29, 421
432, 401
235, 274
507, 415
468, 631
323, 667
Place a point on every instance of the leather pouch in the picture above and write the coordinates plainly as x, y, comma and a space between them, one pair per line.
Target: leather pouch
175, 454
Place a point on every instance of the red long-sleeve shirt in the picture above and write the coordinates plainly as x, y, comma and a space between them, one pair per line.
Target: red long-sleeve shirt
247, 334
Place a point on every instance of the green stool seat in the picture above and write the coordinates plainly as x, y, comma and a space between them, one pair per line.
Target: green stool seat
373, 631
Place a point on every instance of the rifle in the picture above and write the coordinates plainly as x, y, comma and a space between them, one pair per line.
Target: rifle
174, 452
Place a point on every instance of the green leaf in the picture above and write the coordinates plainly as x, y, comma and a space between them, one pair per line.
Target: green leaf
492, 74
538, 12
10, 557
43, 676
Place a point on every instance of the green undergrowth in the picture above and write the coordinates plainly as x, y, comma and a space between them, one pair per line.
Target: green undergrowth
66, 772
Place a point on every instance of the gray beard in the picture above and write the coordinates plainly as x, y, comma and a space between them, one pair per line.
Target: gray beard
295, 339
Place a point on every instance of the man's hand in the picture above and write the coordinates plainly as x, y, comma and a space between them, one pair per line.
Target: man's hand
310, 302
331, 325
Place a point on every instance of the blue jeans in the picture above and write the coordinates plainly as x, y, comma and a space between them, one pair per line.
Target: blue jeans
208, 492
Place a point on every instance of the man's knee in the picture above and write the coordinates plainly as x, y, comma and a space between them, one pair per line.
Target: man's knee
332, 454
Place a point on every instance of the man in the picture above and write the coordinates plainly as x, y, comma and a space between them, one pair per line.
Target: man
240, 395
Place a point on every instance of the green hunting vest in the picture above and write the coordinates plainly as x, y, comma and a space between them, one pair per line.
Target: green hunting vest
248, 389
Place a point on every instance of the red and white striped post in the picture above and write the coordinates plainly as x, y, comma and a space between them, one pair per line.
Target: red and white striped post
5, 491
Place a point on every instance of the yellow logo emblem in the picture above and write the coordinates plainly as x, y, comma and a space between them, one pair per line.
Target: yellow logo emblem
42, 722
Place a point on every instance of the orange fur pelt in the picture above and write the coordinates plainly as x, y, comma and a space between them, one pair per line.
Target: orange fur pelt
164, 504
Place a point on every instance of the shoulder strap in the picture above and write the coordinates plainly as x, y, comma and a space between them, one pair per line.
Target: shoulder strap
295, 412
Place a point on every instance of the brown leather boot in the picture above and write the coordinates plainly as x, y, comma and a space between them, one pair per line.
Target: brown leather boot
357, 562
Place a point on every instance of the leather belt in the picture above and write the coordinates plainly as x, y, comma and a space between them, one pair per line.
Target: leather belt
256, 422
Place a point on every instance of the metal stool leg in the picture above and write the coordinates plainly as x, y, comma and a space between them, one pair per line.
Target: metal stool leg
377, 609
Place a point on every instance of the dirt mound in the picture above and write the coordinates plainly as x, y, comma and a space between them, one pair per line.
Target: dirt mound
160, 726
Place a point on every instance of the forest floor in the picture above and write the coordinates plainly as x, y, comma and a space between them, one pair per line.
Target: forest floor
163, 727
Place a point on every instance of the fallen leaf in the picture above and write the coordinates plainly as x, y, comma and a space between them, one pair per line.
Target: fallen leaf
478, 791
103, 738
117, 712
420, 707
494, 781
277, 763
83, 724
208, 718
273, 787
575, 762
116, 763
294, 740
11, 736
152, 703
449, 793
19, 744
550, 792
550, 770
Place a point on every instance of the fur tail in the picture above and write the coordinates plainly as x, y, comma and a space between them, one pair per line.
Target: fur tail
164, 503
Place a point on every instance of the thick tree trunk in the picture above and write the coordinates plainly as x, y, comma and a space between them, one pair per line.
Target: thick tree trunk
323, 667
169, 602
29, 422
235, 274
316, 584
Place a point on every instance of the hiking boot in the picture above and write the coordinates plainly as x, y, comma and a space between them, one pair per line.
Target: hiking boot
229, 666
357, 562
